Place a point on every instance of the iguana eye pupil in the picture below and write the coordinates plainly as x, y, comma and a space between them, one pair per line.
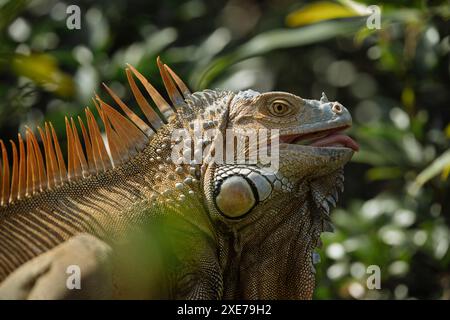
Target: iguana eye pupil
279, 109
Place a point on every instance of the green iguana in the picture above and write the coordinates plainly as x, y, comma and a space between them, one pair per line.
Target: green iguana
238, 229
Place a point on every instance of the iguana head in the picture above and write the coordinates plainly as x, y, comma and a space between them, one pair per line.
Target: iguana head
269, 221
310, 131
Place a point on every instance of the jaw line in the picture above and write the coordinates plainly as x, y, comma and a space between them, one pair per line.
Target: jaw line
321, 160
338, 125
305, 149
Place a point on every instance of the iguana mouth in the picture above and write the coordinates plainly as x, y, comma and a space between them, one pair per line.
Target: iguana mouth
323, 138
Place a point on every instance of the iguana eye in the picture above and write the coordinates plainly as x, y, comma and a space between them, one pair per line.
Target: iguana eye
280, 108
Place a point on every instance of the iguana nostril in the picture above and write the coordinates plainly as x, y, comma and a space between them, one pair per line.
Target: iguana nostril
337, 108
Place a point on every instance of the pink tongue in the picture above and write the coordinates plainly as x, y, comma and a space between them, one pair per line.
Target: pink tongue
335, 139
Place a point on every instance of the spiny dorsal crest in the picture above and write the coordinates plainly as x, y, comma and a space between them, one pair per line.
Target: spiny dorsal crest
36, 167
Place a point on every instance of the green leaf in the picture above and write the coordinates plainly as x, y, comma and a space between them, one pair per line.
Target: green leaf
319, 11
384, 173
43, 70
273, 40
9, 11
440, 164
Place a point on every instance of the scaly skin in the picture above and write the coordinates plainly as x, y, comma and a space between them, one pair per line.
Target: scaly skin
267, 254
258, 248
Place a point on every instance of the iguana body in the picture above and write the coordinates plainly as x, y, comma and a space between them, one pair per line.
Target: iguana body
244, 233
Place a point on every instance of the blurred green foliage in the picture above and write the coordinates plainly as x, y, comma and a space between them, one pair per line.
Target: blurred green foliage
395, 80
